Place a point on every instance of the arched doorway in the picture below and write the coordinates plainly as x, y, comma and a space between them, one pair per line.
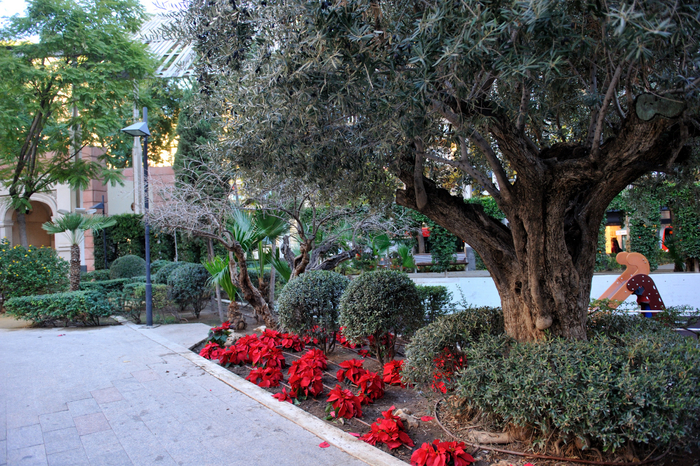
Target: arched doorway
36, 236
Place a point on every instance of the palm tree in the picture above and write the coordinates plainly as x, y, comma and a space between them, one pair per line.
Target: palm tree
74, 226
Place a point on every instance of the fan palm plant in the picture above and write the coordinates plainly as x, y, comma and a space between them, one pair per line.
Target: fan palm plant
74, 225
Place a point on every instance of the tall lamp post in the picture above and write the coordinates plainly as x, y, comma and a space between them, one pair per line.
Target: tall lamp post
140, 129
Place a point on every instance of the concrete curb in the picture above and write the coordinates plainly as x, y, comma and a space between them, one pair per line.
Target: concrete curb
336, 437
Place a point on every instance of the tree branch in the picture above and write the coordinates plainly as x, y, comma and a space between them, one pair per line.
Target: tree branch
595, 148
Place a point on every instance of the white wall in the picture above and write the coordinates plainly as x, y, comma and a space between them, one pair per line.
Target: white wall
676, 289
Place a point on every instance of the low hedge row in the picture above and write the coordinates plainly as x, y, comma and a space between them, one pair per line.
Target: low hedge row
77, 307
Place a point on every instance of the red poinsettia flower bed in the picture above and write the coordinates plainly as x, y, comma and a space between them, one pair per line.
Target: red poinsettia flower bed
352, 370
265, 377
343, 403
389, 430
284, 395
371, 387
441, 454
290, 341
209, 351
305, 375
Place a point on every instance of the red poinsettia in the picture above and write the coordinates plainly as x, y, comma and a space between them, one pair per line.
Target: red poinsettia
351, 369
447, 362
270, 337
284, 395
317, 358
210, 350
363, 353
441, 454
342, 403
290, 341
232, 355
265, 376
340, 338
388, 430
305, 377
371, 387
392, 373
267, 356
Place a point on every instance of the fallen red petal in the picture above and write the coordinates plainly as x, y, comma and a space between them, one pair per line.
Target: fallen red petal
430, 418
355, 434
324, 444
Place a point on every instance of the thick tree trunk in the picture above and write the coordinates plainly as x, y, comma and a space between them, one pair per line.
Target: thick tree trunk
542, 263
250, 292
74, 267
22, 227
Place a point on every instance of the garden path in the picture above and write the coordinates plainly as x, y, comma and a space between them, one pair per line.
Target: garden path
120, 395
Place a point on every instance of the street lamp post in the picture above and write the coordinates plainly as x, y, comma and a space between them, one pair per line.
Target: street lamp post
140, 129
101, 205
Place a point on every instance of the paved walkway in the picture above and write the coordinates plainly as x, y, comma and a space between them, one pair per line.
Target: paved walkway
114, 396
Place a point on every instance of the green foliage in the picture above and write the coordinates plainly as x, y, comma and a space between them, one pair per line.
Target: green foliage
62, 55
78, 307
635, 387
489, 205
221, 275
127, 267
309, 306
161, 277
453, 333
645, 239
158, 264
442, 247
683, 201
377, 303
106, 287
601, 258
133, 301
30, 271
95, 275
437, 301
189, 286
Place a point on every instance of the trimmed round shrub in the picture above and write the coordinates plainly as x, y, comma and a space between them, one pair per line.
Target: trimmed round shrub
608, 392
31, 271
188, 287
95, 276
309, 305
380, 305
436, 351
127, 267
157, 265
161, 277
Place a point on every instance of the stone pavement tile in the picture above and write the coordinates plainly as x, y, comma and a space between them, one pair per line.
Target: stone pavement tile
101, 443
30, 456
49, 405
106, 395
83, 407
145, 376
192, 454
58, 441
24, 437
126, 385
21, 419
120, 408
205, 428
125, 425
119, 458
3, 451
158, 458
55, 421
75, 457
74, 394
91, 423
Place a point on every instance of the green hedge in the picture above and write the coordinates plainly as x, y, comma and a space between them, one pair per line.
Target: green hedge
106, 286
78, 307
189, 286
161, 277
95, 275
636, 387
127, 267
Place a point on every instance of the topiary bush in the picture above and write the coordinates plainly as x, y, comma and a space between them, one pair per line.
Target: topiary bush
605, 393
95, 276
309, 305
189, 286
380, 305
106, 287
127, 267
161, 277
437, 301
30, 271
78, 307
434, 352
157, 265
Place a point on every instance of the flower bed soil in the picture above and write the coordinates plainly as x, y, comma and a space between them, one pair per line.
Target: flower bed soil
437, 420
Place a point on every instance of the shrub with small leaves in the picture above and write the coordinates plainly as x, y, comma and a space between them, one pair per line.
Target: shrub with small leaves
378, 303
127, 267
189, 286
631, 387
450, 333
77, 307
309, 305
157, 265
162, 275
95, 276
31, 271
